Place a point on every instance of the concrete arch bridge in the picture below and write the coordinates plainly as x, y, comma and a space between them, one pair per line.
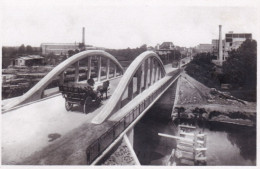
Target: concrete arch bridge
77, 138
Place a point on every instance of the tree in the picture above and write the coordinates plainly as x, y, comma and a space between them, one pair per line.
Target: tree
29, 50
81, 46
21, 50
70, 53
240, 67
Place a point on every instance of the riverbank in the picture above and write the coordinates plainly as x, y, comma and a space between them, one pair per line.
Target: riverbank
195, 100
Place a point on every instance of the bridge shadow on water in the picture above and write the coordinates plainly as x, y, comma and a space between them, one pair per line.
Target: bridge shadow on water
150, 148
228, 144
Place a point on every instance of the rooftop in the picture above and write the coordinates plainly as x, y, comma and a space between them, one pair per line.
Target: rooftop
29, 57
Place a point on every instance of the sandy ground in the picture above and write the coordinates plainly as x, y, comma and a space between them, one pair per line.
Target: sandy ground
121, 156
192, 94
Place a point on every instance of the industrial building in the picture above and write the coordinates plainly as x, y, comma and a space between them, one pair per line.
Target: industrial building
30, 60
201, 48
234, 40
215, 44
58, 48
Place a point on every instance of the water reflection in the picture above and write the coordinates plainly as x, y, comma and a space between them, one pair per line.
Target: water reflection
227, 144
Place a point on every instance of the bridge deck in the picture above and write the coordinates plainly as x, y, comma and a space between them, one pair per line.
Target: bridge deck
32, 126
45, 133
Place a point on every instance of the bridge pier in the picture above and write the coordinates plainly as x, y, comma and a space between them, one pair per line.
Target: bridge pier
130, 147
130, 136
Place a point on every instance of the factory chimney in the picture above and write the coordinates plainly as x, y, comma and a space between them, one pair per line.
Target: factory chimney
220, 47
83, 35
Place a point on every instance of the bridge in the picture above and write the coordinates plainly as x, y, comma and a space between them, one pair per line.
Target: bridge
38, 130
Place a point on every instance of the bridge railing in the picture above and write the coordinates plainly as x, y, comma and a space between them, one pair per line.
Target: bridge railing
99, 145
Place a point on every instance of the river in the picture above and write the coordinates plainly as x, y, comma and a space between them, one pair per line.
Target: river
227, 144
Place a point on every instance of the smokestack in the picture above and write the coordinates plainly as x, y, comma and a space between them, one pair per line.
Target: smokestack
220, 46
83, 35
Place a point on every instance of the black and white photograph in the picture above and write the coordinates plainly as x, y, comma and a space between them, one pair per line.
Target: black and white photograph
129, 83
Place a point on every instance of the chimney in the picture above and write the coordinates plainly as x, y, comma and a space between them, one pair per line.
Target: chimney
83, 35
220, 47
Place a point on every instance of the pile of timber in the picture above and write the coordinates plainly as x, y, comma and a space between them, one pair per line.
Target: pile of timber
191, 147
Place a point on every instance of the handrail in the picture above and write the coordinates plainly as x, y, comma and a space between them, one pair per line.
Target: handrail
112, 133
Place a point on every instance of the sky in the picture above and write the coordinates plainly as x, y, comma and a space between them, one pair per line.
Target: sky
122, 24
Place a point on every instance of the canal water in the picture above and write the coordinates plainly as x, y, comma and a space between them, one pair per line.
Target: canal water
227, 144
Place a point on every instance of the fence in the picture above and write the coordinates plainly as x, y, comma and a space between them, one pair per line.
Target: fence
99, 145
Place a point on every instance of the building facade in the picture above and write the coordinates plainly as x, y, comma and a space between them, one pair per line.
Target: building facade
201, 48
30, 60
215, 44
234, 40
58, 48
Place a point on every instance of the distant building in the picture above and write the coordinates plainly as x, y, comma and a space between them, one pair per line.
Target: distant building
167, 45
150, 48
58, 48
202, 48
165, 51
30, 60
234, 40
215, 44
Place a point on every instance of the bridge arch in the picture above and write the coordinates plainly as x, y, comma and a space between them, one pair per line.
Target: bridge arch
36, 92
147, 68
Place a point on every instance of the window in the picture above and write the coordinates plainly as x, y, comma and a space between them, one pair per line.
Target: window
248, 35
228, 35
235, 35
241, 35
229, 40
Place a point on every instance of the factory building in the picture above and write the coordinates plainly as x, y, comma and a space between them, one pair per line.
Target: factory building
234, 40
58, 48
204, 48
